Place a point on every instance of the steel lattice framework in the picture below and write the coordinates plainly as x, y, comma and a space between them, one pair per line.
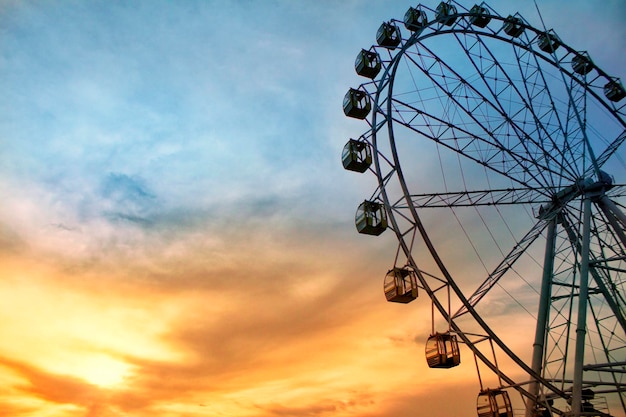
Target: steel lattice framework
499, 156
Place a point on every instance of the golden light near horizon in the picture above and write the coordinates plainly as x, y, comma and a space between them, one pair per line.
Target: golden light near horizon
64, 330
177, 232
98, 369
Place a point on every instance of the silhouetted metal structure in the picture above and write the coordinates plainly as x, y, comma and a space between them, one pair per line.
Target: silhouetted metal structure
486, 131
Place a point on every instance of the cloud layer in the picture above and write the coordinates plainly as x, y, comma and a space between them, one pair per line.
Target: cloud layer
176, 230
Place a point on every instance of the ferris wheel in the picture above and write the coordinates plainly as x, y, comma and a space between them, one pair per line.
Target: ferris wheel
499, 156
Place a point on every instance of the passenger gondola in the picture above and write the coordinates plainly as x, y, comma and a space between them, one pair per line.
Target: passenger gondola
446, 13
581, 64
614, 90
415, 19
480, 16
356, 156
356, 103
513, 26
388, 35
371, 218
367, 64
548, 42
442, 351
400, 285
494, 403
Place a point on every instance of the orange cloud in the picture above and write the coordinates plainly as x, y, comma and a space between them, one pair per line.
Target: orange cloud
180, 335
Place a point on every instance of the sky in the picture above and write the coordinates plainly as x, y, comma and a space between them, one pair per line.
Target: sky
176, 228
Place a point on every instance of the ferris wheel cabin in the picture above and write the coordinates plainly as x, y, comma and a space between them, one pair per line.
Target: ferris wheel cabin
415, 19
614, 90
513, 26
400, 285
371, 218
356, 103
446, 13
494, 403
367, 64
356, 156
388, 35
480, 16
581, 64
548, 42
442, 351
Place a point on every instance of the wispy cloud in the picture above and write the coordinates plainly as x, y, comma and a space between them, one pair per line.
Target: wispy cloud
176, 230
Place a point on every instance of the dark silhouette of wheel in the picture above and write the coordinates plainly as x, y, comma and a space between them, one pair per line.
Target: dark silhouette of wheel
499, 156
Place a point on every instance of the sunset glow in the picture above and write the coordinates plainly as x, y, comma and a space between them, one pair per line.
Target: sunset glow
176, 229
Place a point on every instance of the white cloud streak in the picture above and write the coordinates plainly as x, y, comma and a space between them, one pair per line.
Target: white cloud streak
184, 157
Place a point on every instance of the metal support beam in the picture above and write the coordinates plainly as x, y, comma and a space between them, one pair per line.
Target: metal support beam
542, 317
581, 324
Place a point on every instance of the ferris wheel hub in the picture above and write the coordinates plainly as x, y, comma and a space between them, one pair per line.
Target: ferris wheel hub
584, 187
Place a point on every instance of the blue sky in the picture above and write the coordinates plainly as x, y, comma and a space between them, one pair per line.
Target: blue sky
174, 166
199, 104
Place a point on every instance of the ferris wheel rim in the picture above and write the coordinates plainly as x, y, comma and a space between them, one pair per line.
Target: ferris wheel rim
397, 171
